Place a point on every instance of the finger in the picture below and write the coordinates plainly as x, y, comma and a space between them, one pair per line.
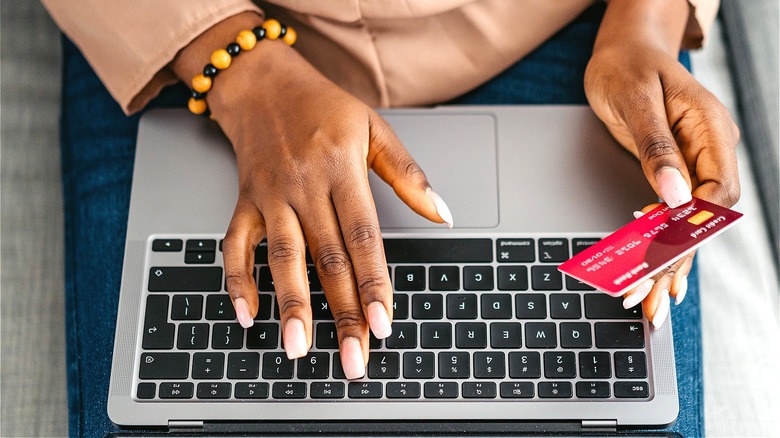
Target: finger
245, 231
716, 167
360, 228
637, 294
392, 162
287, 261
679, 285
656, 305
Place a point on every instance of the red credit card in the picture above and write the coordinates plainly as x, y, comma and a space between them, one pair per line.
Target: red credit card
647, 245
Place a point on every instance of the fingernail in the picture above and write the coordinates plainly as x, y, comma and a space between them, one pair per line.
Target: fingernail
242, 313
352, 358
295, 339
639, 294
662, 310
638, 214
682, 289
441, 206
674, 190
378, 320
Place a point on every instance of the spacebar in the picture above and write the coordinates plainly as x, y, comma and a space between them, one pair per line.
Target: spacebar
185, 279
439, 250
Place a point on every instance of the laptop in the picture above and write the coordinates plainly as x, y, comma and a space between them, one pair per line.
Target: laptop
488, 336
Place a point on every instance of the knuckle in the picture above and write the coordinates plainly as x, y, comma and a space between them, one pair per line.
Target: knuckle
332, 261
373, 288
234, 280
290, 304
283, 251
348, 319
363, 235
657, 145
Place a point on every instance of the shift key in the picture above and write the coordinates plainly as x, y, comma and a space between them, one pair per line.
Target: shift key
185, 279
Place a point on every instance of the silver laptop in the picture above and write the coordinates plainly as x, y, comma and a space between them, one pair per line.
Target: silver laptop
488, 335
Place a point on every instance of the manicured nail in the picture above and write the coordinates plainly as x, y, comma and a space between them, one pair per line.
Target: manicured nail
352, 358
378, 320
638, 214
682, 289
639, 294
295, 339
441, 206
674, 190
242, 313
662, 310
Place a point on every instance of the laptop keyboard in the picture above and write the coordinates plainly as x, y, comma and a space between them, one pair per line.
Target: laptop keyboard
480, 318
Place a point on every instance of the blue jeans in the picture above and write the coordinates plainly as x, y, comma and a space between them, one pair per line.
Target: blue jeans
98, 146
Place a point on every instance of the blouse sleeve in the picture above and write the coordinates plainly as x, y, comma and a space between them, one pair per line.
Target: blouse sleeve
702, 16
130, 43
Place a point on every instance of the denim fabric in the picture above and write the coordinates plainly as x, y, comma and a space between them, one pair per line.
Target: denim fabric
98, 145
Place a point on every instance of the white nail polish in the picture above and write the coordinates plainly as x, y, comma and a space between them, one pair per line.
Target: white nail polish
352, 358
639, 294
441, 207
242, 313
674, 190
662, 311
378, 320
638, 214
295, 339
682, 289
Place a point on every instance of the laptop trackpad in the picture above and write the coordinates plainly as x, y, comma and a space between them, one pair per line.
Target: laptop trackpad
458, 154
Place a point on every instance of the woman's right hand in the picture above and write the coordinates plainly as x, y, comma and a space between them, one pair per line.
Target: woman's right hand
304, 147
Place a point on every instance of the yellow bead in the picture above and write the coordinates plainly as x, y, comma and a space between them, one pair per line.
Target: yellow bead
290, 37
246, 40
272, 29
197, 106
221, 59
201, 84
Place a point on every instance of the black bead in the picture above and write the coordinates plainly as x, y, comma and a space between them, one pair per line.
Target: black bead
233, 49
283, 32
198, 96
259, 32
210, 71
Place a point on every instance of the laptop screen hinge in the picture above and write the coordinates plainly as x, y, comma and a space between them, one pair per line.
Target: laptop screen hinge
185, 425
599, 425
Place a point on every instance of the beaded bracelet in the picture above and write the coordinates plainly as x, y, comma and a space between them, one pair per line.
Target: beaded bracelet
221, 58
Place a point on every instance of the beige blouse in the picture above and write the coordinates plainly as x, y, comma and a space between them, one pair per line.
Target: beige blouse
386, 52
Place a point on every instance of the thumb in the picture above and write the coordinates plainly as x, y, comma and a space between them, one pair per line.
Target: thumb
392, 162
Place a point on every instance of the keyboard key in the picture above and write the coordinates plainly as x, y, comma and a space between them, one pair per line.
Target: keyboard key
164, 366
404, 336
546, 278
193, 336
314, 366
531, 306
262, 336
574, 284
185, 279
326, 337
227, 336
620, 335
515, 250
478, 277
438, 250
595, 365
576, 335
471, 335
560, 365
540, 335
146, 390
338, 370
261, 252
176, 390
461, 306
187, 307
201, 245
555, 390
525, 365
454, 365
592, 389
630, 365
158, 332
384, 365
579, 245
489, 365
441, 390
479, 390
418, 365
603, 306
496, 306
264, 307
208, 365
409, 278
505, 335
277, 366
314, 279
553, 250
214, 390
632, 390
243, 365
444, 278
320, 309
517, 390
199, 258
403, 390
219, 307
251, 390
436, 335
166, 245
427, 306
365, 389
400, 306
327, 390
265, 282
288, 390
512, 278
565, 306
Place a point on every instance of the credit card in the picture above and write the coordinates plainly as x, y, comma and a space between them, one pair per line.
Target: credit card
648, 244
